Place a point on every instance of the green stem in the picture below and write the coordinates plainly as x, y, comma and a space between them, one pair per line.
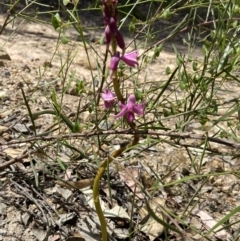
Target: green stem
115, 154
117, 87
98, 176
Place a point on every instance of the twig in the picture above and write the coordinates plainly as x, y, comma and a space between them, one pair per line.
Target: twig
27, 195
183, 30
25, 154
6, 22
186, 135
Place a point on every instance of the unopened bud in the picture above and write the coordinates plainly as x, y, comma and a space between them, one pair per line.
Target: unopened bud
120, 40
113, 25
108, 35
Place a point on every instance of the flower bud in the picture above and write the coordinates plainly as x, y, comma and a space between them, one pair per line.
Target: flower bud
120, 40
108, 35
114, 61
106, 14
113, 25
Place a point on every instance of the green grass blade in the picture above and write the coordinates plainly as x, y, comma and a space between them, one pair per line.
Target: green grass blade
29, 112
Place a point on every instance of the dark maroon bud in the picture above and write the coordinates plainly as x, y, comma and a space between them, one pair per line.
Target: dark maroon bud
113, 25
115, 15
120, 40
106, 13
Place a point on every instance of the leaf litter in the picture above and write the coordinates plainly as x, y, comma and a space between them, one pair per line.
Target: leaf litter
53, 209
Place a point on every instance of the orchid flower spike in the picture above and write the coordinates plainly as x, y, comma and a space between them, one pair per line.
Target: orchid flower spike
108, 98
131, 108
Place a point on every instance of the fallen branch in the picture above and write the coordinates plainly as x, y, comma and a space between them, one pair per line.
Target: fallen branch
186, 135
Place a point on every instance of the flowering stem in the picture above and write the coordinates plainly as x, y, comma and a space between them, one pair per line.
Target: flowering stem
115, 39
97, 178
116, 85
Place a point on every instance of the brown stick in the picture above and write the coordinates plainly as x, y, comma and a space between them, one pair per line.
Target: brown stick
25, 154
186, 135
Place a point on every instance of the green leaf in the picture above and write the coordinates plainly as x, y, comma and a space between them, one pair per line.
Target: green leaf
29, 111
60, 163
157, 50
165, 113
76, 127
56, 21
35, 173
64, 39
54, 99
165, 86
195, 66
102, 40
168, 70
131, 28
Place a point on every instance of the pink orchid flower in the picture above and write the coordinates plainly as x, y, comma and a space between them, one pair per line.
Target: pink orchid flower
130, 59
131, 108
108, 98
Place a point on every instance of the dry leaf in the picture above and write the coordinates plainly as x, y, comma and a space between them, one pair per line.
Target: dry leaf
130, 180
116, 212
209, 222
76, 237
78, 184
55, 237
88, 193
151, 227
13, 152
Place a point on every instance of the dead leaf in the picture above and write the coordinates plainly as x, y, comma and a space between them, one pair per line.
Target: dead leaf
209, 222
76, 237
116, 212
13, 152
151, 227
78, 184
55, 237
88, 193
3, 128
129, 180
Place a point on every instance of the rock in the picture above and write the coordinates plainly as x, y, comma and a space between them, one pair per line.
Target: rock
4, 55
6, 73
105, 125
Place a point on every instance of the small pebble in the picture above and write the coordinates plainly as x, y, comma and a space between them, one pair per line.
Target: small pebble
6, 73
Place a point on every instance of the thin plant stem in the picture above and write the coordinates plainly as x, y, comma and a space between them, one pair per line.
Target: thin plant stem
97, 178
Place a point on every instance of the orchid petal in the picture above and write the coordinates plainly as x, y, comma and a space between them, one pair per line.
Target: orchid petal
114, 61
130, 59
131, 99
130, 116
122, 113
108, 98
138, 109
